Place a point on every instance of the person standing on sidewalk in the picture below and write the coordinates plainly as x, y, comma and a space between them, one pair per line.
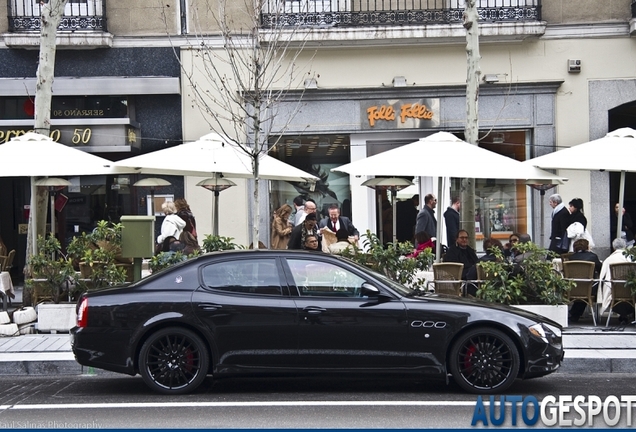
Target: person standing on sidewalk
426, 221
451, 218
560, 223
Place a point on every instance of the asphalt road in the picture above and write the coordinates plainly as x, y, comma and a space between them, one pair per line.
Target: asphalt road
115, 401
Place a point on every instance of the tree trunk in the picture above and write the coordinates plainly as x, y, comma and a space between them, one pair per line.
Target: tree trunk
51, 14
471, 132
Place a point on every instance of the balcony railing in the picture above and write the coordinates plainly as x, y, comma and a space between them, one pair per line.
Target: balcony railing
87, 15
357, 13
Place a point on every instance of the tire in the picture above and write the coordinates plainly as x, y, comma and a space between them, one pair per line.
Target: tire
485, 361
173, 361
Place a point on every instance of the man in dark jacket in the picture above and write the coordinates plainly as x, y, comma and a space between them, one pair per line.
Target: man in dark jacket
560, 223
299, 234
335, 222
451, 218
406, 217
426, 221
460, 252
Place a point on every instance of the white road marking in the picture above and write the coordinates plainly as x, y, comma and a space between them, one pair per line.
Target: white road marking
234, 404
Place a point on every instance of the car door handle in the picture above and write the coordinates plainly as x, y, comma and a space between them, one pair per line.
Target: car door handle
314, 310
209, 306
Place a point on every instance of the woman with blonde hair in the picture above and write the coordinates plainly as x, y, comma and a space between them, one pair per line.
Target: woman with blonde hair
281, 228
172, 224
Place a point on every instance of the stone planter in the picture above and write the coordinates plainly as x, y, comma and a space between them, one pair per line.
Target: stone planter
558, 313
56, 317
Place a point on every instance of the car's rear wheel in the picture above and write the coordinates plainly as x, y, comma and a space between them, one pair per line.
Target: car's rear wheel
484, 360
173, 361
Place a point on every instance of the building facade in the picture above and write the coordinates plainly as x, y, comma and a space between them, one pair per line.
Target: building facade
116, 93
555, 73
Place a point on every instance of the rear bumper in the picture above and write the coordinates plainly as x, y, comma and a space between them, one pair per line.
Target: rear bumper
93, 348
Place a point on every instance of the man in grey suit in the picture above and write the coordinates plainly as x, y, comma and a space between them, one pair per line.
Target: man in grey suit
426, 221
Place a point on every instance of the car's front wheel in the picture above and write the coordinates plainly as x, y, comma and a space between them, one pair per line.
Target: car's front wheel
173, 361
484, 360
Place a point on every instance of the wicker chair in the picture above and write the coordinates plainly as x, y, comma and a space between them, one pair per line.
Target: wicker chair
8, 262
447, 278
582, 274
620, 272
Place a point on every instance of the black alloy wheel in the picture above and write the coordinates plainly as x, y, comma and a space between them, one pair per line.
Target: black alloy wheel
173, 361
484, 360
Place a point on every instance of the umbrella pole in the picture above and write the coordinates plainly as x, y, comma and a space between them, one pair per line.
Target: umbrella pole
621, 199
381, 230
394, 195
52, 194
215, 214
542, 222
438, 241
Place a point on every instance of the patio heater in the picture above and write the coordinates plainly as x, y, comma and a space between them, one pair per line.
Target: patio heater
216, 185
542, 187
392, 184
54, 184
152, 183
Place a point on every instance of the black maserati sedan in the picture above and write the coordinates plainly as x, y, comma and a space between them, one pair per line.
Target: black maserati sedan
295, 312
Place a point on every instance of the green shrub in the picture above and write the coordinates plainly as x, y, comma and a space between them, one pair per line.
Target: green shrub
391, 260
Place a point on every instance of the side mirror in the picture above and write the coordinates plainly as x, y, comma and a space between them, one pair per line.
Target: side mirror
369, 290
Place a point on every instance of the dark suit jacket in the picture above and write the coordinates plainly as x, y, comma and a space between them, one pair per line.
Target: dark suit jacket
588, 256
406, 214
467, 256
451, 217
295, 239
345, 223
560, 223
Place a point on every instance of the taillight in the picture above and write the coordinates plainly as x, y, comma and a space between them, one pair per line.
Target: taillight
82, 313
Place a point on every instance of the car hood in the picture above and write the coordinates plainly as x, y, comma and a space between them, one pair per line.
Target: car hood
472, 302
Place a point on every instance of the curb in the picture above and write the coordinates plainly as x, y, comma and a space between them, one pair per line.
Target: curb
47, 365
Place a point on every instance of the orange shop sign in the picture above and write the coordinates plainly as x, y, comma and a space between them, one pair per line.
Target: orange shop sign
422, 113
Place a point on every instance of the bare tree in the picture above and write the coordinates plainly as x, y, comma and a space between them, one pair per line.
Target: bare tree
246, 76
471, 131
50, 17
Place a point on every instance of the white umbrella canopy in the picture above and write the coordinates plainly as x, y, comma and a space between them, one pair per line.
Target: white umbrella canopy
444, 155
37, 155
616, 151
212, 155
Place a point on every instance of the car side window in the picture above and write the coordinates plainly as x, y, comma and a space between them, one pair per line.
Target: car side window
320, 279
253, 276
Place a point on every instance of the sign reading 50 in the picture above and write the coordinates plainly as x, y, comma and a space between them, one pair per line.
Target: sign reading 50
81, 136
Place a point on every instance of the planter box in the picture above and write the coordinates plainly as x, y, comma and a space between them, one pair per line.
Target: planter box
558, 313
56, 317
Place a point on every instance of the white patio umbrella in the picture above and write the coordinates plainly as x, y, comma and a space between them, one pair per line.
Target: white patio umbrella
36, 155
210, 156
442, 154
616, 151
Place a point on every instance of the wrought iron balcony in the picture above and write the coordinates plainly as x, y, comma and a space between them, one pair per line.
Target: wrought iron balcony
359, 13
79, 15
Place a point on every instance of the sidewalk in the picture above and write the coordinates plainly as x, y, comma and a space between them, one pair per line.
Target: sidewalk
588, 349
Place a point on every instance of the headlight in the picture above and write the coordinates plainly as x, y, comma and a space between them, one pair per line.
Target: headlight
553, 329
539, 330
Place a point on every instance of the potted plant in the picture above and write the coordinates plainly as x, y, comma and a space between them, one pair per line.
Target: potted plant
531, 283
213, 243
52, 271
97, 255
53, 275
391, 260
